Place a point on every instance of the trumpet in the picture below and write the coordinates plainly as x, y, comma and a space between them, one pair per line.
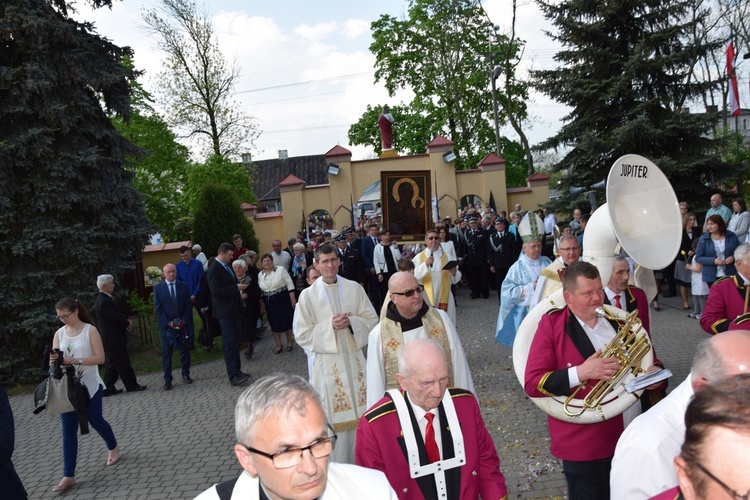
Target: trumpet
629, 346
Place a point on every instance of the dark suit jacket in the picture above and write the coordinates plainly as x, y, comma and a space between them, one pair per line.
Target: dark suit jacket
506, 255
227, 302
367, 251
165, 311
111, 321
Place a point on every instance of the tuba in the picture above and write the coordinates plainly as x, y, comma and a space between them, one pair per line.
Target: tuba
641, 216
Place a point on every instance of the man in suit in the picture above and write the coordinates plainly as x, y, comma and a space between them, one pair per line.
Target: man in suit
441, 428
227, 309
114, 326
478, 260
367, 252
564, 353
351, 265
502, 253
174, 316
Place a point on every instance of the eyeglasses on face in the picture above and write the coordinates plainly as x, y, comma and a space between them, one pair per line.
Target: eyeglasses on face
429, 238
568, 249
293, 456
409, 293
746, 496
64, 317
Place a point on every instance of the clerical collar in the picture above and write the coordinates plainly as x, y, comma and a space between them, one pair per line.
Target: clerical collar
406, 323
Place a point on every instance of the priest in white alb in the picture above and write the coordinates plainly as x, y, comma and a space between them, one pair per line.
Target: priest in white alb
332, 321
428, 269
550, 279
409, 317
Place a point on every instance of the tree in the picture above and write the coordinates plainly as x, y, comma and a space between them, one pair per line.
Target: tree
69, 210
439, 51
197, 85
218, 216
220, 171
625, 70
160, 166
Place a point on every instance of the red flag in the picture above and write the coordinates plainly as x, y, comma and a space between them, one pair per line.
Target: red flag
734, 92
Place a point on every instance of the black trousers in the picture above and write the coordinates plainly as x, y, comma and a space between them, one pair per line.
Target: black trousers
117, 365
479, 280
588, 480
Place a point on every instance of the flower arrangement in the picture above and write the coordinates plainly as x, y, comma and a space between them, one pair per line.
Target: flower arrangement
153, 272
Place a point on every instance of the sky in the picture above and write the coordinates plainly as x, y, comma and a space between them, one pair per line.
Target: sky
306, 70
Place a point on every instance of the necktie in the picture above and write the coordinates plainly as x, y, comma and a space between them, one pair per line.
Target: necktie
617, 301
174, 297
433, 454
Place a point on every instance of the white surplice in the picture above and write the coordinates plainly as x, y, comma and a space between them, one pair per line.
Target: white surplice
421, 269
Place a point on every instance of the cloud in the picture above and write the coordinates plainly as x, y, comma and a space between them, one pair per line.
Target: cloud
316, 31
355, 27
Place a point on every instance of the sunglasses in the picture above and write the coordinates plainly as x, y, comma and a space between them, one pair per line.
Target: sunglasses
409, 293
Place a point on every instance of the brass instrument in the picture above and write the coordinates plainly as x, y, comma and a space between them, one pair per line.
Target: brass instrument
629, 346
747, 296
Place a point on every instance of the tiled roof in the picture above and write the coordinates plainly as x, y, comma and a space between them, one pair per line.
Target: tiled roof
311, 169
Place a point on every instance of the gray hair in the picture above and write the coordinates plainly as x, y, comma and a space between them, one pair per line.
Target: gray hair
276, 394
707, 362
240, 262
103, 279
404, 366
250, 254
742, 253
565, 237
299, 246
197, 247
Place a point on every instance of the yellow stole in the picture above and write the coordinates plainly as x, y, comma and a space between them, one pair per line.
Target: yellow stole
392, 339
445, 282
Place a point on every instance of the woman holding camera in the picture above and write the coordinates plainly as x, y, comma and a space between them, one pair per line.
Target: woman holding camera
81, 346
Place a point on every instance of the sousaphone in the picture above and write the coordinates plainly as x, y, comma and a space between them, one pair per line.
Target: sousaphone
642, 216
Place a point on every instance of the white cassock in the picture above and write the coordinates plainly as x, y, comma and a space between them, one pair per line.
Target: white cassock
548, 282
335, 360
376, 365
421, 269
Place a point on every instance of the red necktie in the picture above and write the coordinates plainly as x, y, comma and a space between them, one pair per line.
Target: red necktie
617, 301
433, 453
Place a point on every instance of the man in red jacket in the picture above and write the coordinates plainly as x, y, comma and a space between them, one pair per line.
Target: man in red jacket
430, 441
725, 307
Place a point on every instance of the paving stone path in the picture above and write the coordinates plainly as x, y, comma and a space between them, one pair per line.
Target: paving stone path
176, 444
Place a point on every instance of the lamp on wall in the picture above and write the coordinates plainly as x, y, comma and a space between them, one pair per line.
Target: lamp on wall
333, 169
449, 156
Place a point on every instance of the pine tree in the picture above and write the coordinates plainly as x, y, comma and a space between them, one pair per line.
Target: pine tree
218, 216
625, 71
68, 210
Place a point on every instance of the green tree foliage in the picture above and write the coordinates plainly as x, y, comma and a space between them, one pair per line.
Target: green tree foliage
440, 52
198, 83
515, 163
625, 71
68, 210
160, 166
218, 216
220, 171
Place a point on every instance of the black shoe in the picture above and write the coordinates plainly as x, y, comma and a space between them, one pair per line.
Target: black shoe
187, 379
111, 393
240, 379
474, 297
167, 386
485, 296
138, 389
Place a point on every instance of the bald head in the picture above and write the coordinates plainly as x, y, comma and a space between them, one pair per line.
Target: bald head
402, 281
721, 356
423, 372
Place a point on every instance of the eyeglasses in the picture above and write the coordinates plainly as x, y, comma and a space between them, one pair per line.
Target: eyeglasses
293, 456
746, 496
433, 238
64, 317
568, 249
409, 293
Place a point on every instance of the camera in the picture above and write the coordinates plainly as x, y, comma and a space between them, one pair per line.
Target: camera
55, 368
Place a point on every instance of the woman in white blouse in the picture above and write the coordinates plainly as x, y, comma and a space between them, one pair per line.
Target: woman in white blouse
278, 297
740, 221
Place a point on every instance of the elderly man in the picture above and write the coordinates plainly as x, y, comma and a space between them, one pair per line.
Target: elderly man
331, 322
565, 352
725, 307
718, 208
550, 279
409, 317
648, 446
430, 441
280, 257
284, 442
517, 294
114, 326
200, 256
174, 316
428, 269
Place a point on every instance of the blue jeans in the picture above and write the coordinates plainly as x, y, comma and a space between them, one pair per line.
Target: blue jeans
166, 356
70, 432
588, 480
231, 329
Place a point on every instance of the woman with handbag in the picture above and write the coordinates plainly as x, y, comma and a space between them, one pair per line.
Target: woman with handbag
81, 345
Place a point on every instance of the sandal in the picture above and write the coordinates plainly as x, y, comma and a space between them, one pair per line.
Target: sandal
277, 351
113, 456
65, 484
289, 348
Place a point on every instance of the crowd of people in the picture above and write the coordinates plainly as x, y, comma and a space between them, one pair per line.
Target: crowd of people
389, 409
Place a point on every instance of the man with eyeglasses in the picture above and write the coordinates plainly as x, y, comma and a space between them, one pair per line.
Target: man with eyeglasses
409, 317
284, 443
429, 270
428, 437
649, 444
550, 279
